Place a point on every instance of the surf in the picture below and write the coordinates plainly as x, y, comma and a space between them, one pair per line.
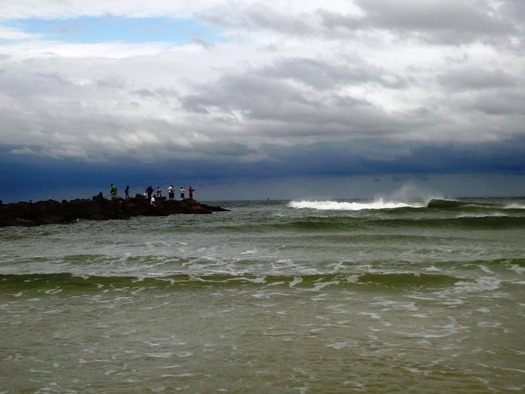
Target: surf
331, 205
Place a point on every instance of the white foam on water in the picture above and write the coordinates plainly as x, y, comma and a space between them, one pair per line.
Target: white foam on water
486, 269
489, 324
160, 355
516, 268
351, 206
320, 286
338, 345
53, 291
514, 206
370, 314
481, 284
485, 215
53, 312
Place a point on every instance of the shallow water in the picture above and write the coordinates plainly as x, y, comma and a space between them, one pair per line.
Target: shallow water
341, 296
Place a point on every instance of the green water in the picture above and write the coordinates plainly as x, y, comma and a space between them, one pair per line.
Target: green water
269, 298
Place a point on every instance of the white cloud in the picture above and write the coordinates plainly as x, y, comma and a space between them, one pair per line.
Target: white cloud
23, 151
286, 74
10, 34
73, 8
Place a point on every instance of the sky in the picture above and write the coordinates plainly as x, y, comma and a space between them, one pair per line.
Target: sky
255, 99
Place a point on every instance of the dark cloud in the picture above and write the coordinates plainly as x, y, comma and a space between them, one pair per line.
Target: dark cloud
438, 21
147, 93
477, 79
501, 103
514, 9
34, 175
434, 21
260, 16
322, 75
270, 95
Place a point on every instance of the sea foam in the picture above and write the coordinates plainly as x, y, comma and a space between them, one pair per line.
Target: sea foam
350, 206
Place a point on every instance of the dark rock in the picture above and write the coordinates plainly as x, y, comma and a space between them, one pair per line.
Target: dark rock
97, 208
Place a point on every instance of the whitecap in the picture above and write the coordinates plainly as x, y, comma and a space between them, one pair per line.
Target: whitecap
486, 269
516, 268
486, 215
487, 324
350, 206
53, 311
514, 206
160, 355
483, 310
370, 314
184, 354
171, 366
338, 345
53, 291
322, 285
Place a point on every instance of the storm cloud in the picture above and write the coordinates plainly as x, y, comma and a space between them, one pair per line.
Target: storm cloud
260, 90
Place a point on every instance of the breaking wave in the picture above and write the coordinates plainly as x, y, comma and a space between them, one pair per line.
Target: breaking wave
352, 206
67, 282
434, 203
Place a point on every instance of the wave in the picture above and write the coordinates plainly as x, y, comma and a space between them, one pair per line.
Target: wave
352, 206
482, 222
52, 284
433, 204
60, 282
514, 206
437, 203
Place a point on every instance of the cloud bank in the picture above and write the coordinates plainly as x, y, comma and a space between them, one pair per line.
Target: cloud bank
258, 89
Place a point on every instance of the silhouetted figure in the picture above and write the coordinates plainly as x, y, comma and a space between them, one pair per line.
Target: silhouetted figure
149, 191
113, 191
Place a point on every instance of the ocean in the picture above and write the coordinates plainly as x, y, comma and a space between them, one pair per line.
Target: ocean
415, 296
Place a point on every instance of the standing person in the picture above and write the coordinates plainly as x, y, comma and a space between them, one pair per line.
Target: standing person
152, 200
171, 192
113, 191
127, 192
182, 191
149, 191
159, 193
190, 191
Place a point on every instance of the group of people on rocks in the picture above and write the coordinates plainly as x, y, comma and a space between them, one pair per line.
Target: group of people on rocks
158, 193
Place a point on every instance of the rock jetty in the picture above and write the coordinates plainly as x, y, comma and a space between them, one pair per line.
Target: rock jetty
98, 208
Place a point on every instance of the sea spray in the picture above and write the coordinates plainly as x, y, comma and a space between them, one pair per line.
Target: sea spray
352, 206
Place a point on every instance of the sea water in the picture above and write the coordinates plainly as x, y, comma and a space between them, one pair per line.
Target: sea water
285, 296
